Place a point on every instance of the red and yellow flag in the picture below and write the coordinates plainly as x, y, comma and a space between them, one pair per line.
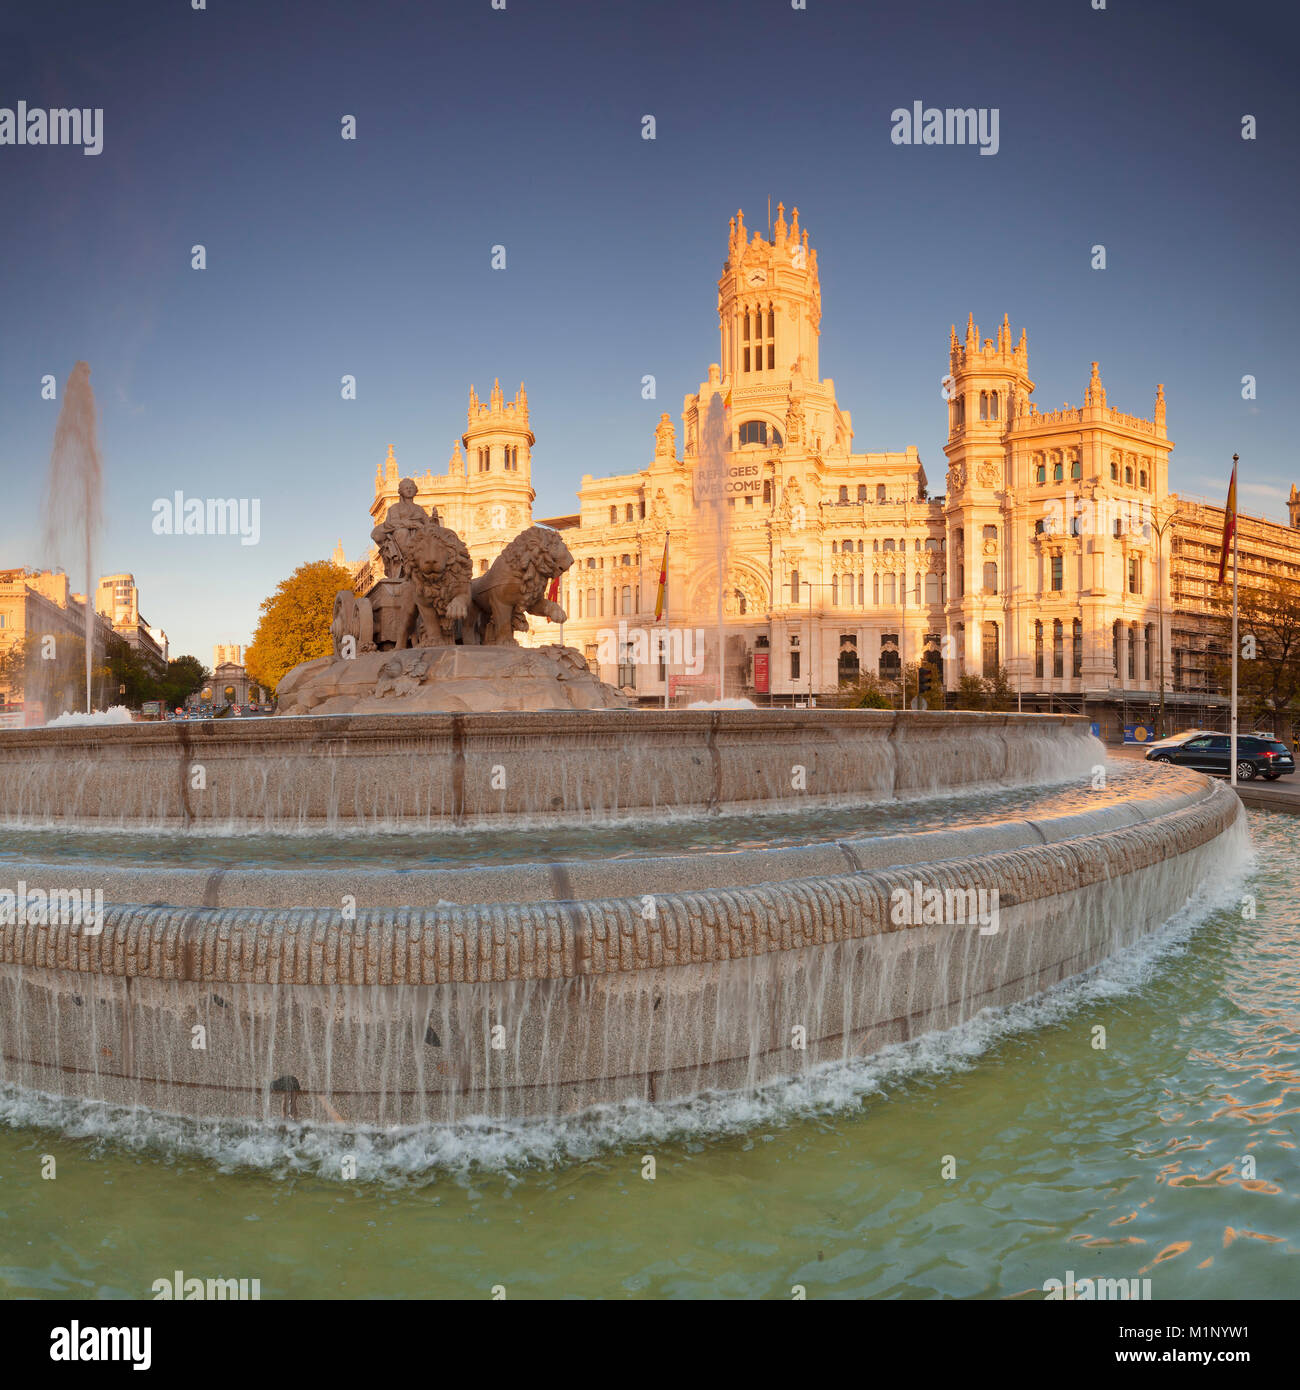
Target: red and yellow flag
663, 583
726, 400
1229, 521
553, 591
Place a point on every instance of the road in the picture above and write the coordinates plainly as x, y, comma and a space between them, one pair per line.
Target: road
1282, 795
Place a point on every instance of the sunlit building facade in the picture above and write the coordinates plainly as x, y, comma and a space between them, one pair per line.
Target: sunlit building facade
1044, 551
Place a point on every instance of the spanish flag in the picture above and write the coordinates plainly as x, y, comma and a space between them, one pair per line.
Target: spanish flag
663, 582
1229, 521
726, 400
553, 591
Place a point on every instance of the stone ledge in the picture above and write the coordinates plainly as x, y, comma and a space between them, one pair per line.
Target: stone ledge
563, 939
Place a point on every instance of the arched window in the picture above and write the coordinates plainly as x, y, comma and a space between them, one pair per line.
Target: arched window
1114, 472
862, 492
835, 589
862, 591
1038, 651
591, 603
889, 543
767, 490
990, 577
1142, 478
1114, 642
875, 590
943, 587
1076, 468
1132, 652
916, 589
613, 516
1040, 473
961, 411
880, 492
993, 405
1058, 472
1148, 641
1128, 475
844, 494
991, 653
1058, 648
932, 588
984, 405
1040, 526
629, 513
891, 590
1077, 661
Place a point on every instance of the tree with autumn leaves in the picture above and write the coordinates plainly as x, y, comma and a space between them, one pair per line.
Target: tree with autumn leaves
295, 622
1268, 630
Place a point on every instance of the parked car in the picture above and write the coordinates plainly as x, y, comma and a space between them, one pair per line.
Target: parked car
1258, 755
1174, 740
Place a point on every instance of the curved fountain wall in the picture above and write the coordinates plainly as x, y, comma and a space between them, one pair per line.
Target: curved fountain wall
535, 989
435, 769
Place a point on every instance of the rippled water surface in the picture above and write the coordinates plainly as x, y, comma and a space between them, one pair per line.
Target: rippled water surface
1171, 1154
545, 842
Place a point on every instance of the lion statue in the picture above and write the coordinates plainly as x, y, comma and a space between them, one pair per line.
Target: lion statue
516, 585
436, 590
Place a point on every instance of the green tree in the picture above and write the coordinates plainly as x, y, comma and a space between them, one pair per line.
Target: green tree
971, 693
295, 622
185, 675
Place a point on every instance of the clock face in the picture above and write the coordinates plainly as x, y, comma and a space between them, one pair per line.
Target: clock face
756, 277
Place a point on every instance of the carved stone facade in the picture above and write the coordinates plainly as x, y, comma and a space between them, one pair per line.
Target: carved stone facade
1041, 557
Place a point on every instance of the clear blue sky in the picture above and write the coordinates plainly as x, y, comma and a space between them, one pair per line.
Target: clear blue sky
523, 128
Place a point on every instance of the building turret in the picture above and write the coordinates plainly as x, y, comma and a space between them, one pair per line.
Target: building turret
1293, 506
988, 383
769, 303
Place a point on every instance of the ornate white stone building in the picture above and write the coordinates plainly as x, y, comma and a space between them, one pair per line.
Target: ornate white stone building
1042, 555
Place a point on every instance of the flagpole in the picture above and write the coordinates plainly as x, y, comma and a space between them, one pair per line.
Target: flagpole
1235, 529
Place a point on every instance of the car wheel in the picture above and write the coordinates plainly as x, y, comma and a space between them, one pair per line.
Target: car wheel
1162, 758
1245, 772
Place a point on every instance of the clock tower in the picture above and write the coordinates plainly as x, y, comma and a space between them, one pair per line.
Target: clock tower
769, 304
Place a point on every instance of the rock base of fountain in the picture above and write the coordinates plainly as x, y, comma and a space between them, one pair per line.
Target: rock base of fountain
448, 679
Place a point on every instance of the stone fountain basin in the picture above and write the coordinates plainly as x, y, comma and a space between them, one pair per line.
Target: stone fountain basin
532, 990
575, 765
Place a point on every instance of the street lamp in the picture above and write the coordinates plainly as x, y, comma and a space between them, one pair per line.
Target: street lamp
807, 584
1160, 527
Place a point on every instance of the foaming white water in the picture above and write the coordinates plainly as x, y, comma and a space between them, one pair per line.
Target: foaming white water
420, 1154
116, 714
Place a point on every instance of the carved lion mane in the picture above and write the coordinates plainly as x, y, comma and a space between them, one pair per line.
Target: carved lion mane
440, 566
437, 585
515, 584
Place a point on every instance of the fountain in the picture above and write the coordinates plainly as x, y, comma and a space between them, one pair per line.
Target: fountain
465, 881
72, 509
